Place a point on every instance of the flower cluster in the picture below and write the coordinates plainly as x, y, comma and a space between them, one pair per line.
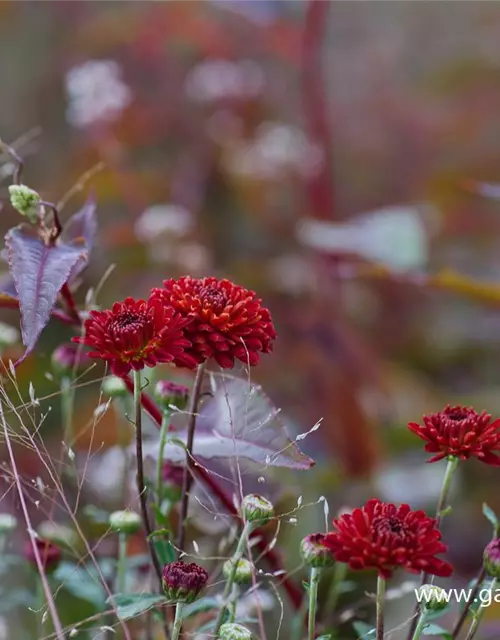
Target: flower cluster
187, 322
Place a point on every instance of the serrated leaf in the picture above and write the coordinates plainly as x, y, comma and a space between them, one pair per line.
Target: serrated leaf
363, 630
200, 606
132, 605
490, 515
239, 420
39, 273
436, 630
82, 226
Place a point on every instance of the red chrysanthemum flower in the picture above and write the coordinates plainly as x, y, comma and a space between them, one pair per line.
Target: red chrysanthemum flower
460, 432
50, 554
228, 321
137, 333
385, 537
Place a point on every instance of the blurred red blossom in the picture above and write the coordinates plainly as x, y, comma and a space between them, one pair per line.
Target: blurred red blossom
385, 537
228, 321
137, 333
460, 432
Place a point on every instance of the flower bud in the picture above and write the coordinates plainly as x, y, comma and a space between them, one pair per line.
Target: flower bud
432, 597
67, 358
314, 553
491, 558
125, 522
49, 553
243, 573
183, 582
25, 200
255, 508
8, 335
170, 394
173, 479
59, 534
7, 523
233, 631
114, 387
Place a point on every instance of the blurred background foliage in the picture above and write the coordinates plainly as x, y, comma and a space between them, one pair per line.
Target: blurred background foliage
339, 158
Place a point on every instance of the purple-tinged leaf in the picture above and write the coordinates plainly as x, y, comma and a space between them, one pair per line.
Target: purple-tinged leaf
238, 421
7, 286
39, 272
82, 225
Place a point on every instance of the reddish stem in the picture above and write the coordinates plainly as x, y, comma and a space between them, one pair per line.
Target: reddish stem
272, 557
320, 187
70, 302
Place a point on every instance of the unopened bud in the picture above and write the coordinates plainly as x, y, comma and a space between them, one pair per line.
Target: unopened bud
491, 558
8, 335
114, 387
170, 394
125, 522
233, 631
432, 597
7, 523
60, 534
243, 573
25, 200
183, 582
257, 509
67, 358
48, 552
314, 553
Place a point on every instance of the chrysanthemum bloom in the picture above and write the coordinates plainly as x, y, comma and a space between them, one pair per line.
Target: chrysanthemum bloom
460, 432
50, 554
228, 321
183, 582
384, 537
137, 333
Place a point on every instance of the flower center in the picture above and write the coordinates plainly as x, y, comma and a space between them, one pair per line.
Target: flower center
129, 325
214, 298
457, 414
392, 526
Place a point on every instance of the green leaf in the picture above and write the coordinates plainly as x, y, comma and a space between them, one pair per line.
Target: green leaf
478, 602
490, 515
131, 605
436, 630
328, 636
200, 606
81, 583
363, 631
163, 547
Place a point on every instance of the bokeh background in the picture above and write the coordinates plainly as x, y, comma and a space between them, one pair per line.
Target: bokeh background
341, 158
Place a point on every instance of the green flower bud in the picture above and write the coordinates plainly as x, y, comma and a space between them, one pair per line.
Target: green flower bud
114, 387
432, 597
8, 335
314, 553
125, 522
7, 523
491, 558
255, 508
233, 631
25, 200
59, 534
170, 394
243, 573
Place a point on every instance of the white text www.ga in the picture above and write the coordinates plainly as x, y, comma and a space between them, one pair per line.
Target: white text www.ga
484, 596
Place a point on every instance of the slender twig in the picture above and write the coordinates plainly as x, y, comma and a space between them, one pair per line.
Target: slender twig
473, 595
16, 178
141, 487
188, 477
43, 578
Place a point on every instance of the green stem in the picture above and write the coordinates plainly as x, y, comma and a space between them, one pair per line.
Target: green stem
234, 604
445, 488
238, 554
141, 487
380, 607
422, 621
67, 401
122, 562
177, 621
476, 621
159, 464
313, 599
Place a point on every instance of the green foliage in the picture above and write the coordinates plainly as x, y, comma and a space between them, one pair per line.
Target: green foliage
132, 605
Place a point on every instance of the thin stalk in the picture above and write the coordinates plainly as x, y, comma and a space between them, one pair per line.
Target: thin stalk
460, 622
40, 603
443, 497
122, 562
177, 621
141, 487
313, 600
234, 603
67, 402
380, 607
422, 621
238, 555
188, 478
159, 464
476, 621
